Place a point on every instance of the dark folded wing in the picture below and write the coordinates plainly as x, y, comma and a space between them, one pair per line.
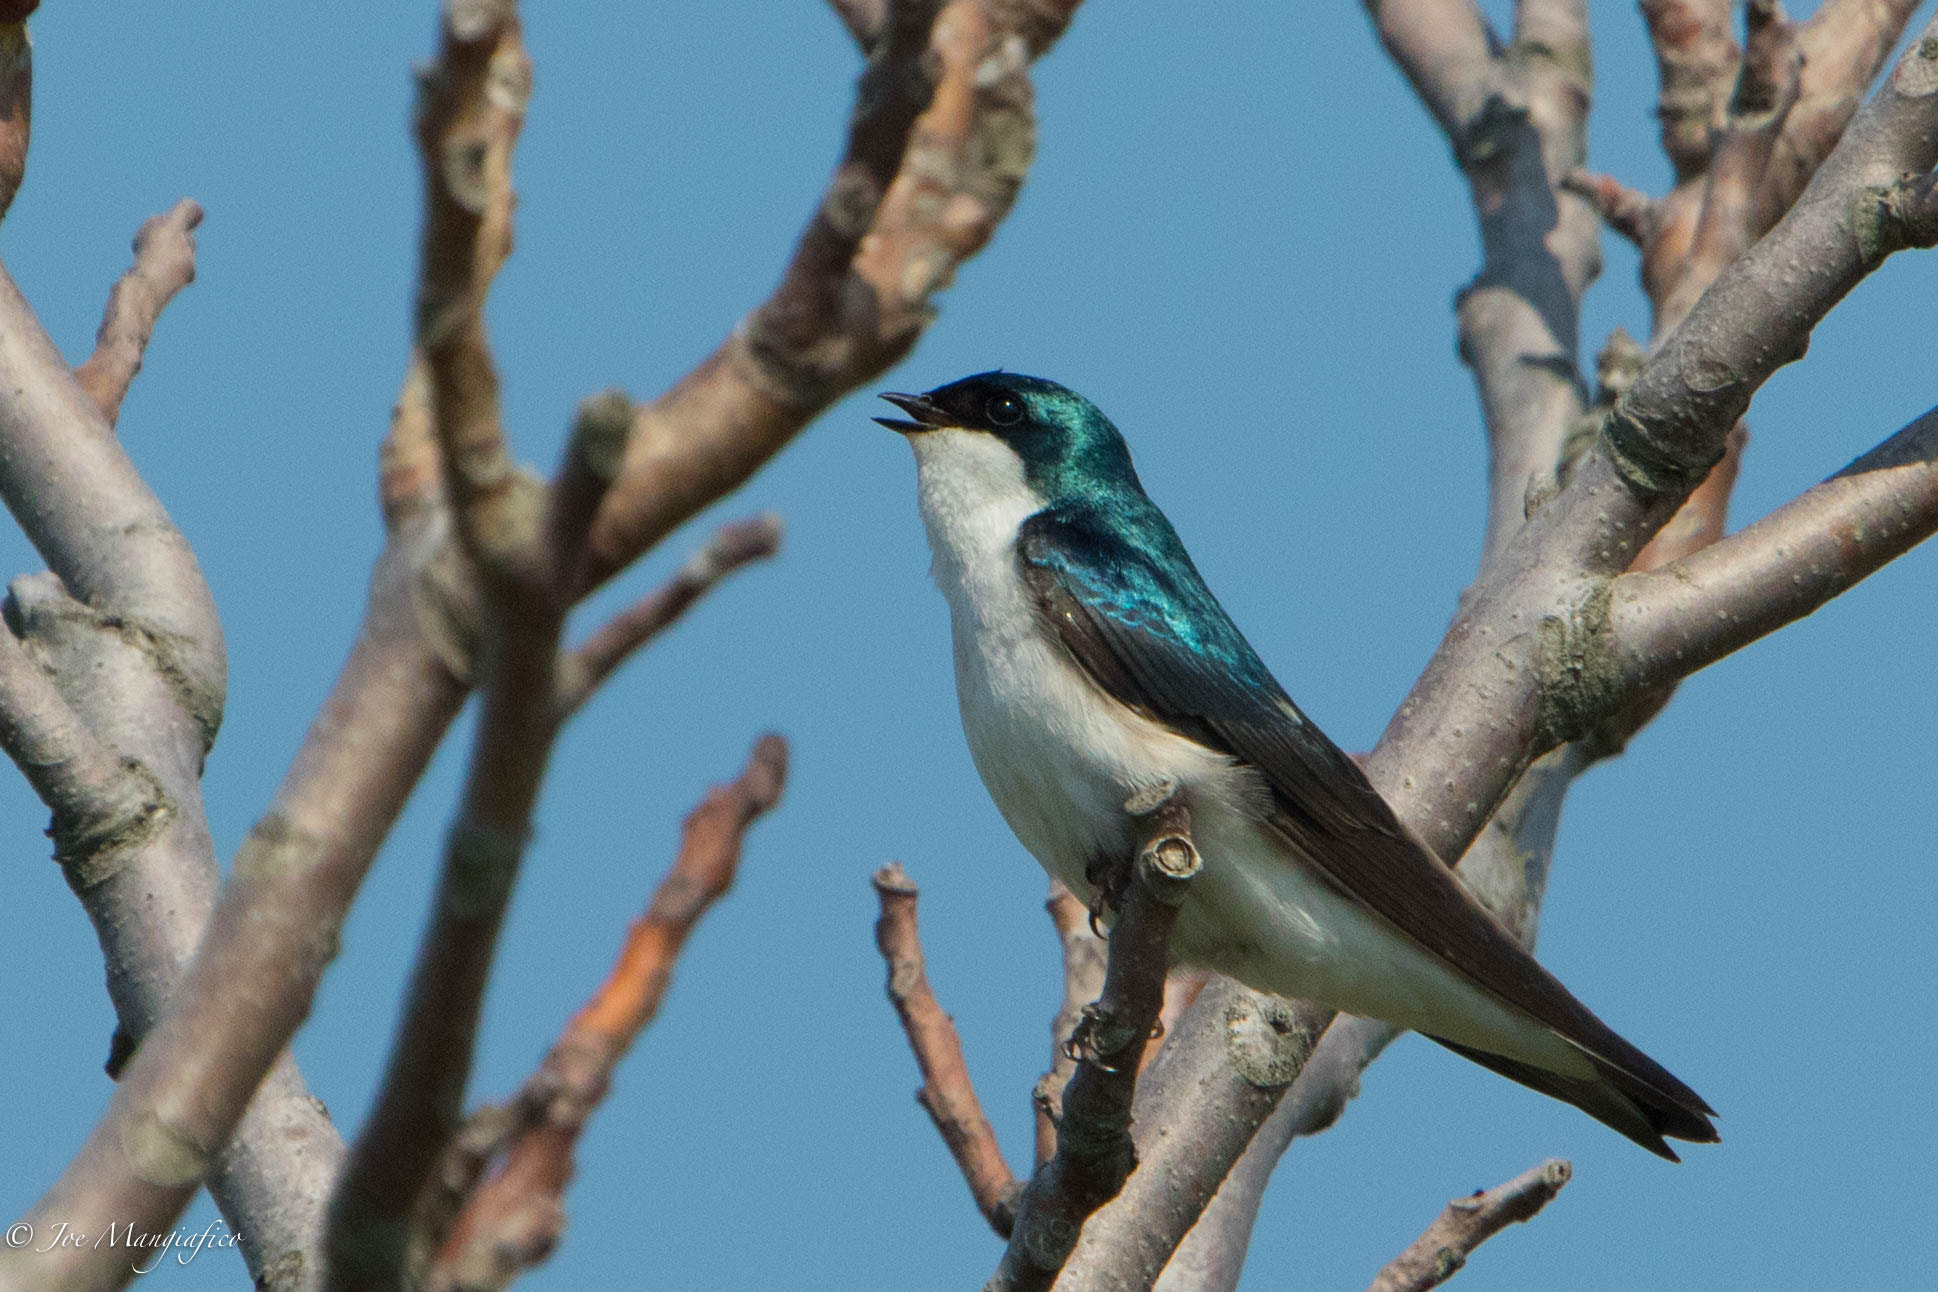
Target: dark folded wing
1139, 620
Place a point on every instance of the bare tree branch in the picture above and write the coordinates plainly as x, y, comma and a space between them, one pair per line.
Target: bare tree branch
58, 448
1479, 635
947, 1094
407, 676
1668, 623
1211, 1257
1517, 125
1518, 128
1094, 1152
471, 106
1357, 1045
1742, 165
961, 165
513, 1220
1742, 156
1437, 1255
733, 547
164, 264
1661, 439
1447, 51
126, 629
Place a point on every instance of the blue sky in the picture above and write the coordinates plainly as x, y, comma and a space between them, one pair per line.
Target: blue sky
1241, 238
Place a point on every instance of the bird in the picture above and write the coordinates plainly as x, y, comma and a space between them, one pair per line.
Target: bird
1094, 667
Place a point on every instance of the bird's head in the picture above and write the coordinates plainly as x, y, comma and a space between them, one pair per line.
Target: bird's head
1062, 442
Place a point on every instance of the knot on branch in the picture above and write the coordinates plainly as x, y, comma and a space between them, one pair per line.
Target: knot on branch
1895, 217
1651, 465
162, 1154
483, 862
600, 433
572, 1080
1579, 679
1616, 369
1037, 23
1916, 74
803, 373
94, 837
196, 677
1268, 1039
1101, 1036
446, 595
1489, 132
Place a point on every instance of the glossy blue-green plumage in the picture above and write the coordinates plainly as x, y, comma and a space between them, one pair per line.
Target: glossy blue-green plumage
1100, 530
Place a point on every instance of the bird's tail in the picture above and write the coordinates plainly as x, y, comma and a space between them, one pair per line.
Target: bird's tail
1645, 1105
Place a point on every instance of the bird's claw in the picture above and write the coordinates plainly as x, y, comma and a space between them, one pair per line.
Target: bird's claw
1082, 1046
1110, 877
1097, 905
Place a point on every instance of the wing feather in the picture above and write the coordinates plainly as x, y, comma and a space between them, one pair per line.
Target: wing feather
1140, 622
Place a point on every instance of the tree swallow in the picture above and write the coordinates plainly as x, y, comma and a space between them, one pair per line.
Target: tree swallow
1094, 666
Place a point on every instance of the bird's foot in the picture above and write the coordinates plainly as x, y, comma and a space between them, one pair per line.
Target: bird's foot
1110, 878
1099, 1037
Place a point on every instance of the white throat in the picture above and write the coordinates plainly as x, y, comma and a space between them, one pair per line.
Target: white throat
973, 497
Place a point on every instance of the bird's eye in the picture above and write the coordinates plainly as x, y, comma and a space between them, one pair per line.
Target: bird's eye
1004, 410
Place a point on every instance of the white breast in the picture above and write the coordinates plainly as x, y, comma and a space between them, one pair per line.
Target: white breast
1058, 757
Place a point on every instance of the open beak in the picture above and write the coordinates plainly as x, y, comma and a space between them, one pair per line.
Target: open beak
927, 415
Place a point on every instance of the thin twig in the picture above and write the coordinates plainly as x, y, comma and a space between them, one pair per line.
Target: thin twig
1437, 1255
1095, 1153
514, 1220
732, 547
1629, 212
947, 1094
164, 250
1084, 951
